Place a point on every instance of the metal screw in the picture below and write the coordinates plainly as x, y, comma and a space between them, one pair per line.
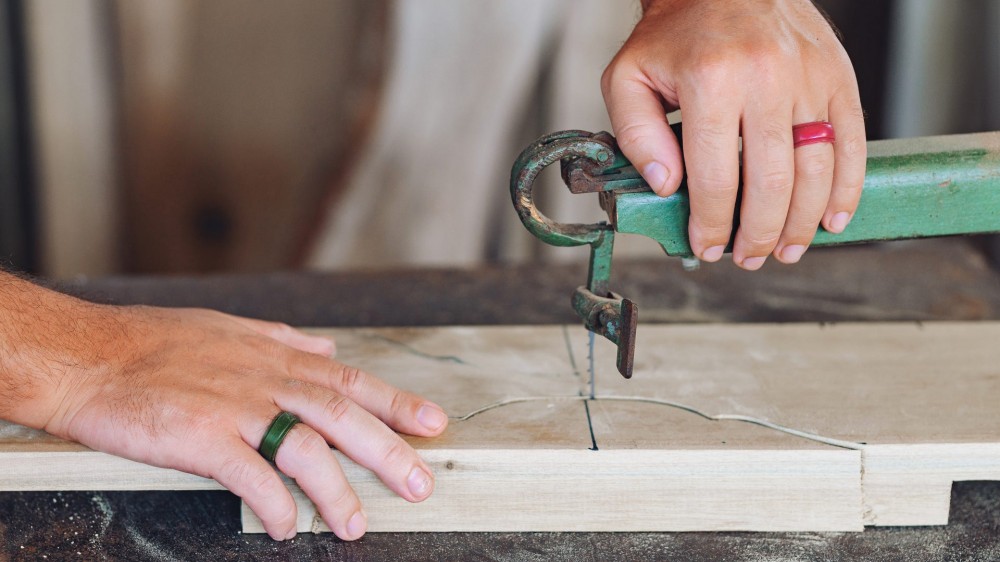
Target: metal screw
690, 264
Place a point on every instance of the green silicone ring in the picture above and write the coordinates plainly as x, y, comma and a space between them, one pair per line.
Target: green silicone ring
276, 433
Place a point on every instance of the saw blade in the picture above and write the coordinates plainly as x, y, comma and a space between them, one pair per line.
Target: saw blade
590, 359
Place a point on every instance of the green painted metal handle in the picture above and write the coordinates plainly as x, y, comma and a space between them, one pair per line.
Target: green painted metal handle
914, 188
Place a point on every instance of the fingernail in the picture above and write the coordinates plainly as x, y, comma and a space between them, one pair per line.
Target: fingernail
290, 535
713, 254
357, 525
656, 175
753, 264
793, 253
839, 222
419, 482
431, 417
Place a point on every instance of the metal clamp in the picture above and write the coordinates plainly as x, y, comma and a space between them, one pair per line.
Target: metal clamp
582, 155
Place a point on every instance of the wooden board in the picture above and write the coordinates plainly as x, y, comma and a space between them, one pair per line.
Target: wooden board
862, 424
922, 400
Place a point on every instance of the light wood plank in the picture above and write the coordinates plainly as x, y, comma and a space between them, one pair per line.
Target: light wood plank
919, 399
32, 460
528, 467
615, 490
912, 405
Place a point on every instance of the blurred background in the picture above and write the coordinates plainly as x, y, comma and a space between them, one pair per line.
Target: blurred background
178, 136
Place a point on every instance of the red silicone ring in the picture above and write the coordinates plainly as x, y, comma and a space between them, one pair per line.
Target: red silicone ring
811, 133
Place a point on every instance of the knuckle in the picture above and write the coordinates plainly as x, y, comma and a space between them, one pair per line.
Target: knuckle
853, 147
816, 168
853, 109
713, 188
711, 228
265, 484
766, 57
850, 190
311, 445
634, 134
231, 470
703, 238
762, 238
707, 135
618, 71
800, 231
775, 138
346, 500
398, 403
711, 71
287, 518
804, 238
338, 409
704, 242
236, 472
397, 454
607, 77
351, 380
775, 180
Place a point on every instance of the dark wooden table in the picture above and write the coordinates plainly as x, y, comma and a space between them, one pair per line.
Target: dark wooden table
926, 281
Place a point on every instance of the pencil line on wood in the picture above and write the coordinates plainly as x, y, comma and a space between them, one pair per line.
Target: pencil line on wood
412, 350
719, 417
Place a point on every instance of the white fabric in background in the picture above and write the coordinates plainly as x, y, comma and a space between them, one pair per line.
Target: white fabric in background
470, 84
944, 68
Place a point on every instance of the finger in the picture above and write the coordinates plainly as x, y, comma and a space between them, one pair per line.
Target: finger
768, 172
711, 151
306, 457
289, 336
245, 473
400, 410
813, 178
850, 154
360, 436
639, 121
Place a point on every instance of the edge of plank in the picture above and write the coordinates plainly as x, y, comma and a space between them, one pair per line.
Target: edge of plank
911, 484
620, 490
90, 470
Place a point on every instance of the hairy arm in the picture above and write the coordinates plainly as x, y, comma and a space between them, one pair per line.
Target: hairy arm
195, 390
49, 342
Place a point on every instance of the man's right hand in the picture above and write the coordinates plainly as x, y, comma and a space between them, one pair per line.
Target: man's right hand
742, 71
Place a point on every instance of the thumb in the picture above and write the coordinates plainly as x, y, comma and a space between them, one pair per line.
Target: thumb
640, 124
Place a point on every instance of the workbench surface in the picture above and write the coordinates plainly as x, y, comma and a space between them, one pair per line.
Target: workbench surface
925, 281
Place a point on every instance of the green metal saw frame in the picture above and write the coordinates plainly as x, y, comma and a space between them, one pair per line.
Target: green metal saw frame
914, 188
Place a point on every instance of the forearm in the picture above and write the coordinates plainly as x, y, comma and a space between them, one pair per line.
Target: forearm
47, 341
195, 390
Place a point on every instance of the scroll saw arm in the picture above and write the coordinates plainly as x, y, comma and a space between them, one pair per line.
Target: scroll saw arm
914, 188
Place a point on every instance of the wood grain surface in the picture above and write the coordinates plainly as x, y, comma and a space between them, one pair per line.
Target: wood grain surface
723, 427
